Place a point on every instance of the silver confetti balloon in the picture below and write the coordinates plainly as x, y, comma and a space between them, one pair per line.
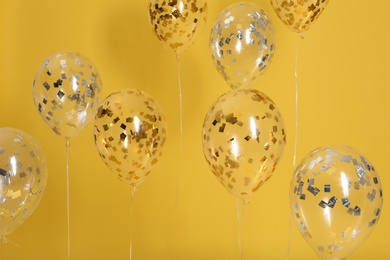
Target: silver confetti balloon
23, 178
336, 199
66, 91
242, 44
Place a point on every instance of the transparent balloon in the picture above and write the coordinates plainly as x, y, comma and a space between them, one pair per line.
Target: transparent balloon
66, 92
177, 23
335, 199
130, 132
242, 44
23, 178
243, 138
298, 15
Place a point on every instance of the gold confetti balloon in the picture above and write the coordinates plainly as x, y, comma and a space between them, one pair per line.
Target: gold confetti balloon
66, 92
243, 138
335, 199
23, 178
242, 44
130, 132
298, 15
177, 23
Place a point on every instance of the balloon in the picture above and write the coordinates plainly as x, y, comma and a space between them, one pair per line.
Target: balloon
242, 44
66, 92
336, 199
177, 23
23, 178
130, 132
243, 138
298, 15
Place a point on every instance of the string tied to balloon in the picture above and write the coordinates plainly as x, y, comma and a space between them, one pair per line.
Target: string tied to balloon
242, 46
130, 132
133, 190
241, 158
66, 92
4, 241
298, 16
67, 192
180, 90
296, 132
240, 217
177, 35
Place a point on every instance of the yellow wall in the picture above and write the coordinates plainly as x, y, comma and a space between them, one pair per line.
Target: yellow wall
344, 98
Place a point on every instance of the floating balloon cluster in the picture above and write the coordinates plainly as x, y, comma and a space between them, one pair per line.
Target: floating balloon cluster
335, 194
243, 132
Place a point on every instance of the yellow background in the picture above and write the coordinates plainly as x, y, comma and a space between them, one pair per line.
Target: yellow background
343, 98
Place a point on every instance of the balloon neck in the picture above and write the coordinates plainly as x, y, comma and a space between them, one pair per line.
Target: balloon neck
133, 190
177, 57
302, 36
4, 240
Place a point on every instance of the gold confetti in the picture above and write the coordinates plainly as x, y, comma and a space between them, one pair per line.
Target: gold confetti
177, 23
298, 15
129, 133
240, 155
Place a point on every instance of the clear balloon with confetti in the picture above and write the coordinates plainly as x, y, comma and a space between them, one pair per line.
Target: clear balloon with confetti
23, 178
177, 23
242, 44
243, 138
299, 15
130, 132
336, 200
66, 92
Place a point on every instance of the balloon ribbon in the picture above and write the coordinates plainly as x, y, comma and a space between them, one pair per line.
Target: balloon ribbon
131, 222
67, 193
296, 130
181, 123
239, 217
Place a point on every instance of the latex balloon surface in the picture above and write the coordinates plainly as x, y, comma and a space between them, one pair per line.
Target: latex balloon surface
177, 23
23, 178
242, 44
298, 15
66, 92
130, 133
336, 200
243, 138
